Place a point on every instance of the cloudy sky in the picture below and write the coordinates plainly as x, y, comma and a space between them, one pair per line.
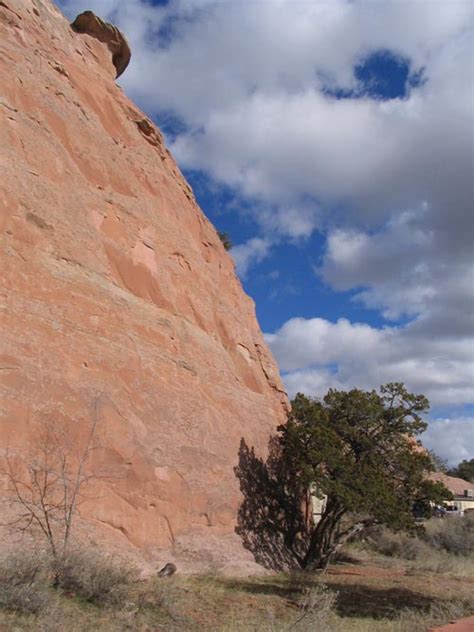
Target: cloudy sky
333, 141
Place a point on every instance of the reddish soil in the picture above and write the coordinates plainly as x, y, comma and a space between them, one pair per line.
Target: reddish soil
463, 625
366, 571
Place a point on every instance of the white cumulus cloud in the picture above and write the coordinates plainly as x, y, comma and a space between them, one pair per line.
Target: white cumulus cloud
252, 251
453, 439
315, 354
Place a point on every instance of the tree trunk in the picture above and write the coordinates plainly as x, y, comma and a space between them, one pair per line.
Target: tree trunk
327, 539
322, 541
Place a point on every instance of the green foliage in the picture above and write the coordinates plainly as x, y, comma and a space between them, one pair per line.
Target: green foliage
225, 238
464, 470
359, 449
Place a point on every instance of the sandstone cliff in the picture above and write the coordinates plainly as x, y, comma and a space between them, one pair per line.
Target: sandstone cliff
115, 282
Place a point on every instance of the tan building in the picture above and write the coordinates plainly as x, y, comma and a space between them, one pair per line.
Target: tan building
318, 504
462, 490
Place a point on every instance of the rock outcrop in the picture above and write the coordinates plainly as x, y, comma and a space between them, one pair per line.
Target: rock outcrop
89, 23
114, 282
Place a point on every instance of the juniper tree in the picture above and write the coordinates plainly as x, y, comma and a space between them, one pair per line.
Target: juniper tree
359, 449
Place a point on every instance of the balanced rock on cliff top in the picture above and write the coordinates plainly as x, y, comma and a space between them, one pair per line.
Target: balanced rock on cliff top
109, 34
114, 282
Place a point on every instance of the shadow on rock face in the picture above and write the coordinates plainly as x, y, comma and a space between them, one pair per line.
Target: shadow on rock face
274, 517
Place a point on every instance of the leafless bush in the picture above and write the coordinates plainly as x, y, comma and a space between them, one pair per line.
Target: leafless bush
174, 596
441, 538
23, 584
93, 576
56, 619
46, 484
438, 614
398, 544
316, 603
454, 535
21, 568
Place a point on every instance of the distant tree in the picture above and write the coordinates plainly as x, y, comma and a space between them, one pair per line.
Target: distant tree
359, 450
439, 464
225, 239
464, 470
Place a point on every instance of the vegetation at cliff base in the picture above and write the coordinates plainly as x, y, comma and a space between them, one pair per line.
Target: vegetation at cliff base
358, 451
366, 591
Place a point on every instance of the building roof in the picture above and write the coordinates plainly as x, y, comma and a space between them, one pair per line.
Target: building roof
457, 486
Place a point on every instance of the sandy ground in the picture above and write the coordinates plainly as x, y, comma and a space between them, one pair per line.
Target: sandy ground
463, 625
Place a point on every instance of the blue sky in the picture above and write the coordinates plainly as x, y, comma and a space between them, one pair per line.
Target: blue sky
282, 284
334, 143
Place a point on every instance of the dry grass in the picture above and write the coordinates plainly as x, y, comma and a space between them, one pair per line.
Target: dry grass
447, 547
399, 545
23, 585
316, 604
453, 535
365, 593
438, 614
94, 577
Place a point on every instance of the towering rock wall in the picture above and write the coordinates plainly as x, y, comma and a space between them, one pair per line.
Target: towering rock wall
114, 283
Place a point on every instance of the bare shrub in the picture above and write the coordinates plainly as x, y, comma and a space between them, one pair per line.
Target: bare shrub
26, 599
438, 614
454, 535
23, 584
398, 545
316, 603
94, 576
20, 568
164, 596
46, 485
56, 619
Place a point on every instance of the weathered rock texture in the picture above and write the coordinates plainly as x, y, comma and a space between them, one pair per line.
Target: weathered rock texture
115, 282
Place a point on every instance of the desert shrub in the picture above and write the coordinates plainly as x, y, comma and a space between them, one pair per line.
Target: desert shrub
20, 568
315, 601
57, 619
23, 583
94, 577
26, 598
316, 606
437, 614
163, 598
398, 544
454, 535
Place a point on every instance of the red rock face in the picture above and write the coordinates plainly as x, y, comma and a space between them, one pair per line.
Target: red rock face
114, 282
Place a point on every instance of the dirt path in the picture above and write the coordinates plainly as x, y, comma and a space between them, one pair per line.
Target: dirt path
463, 625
